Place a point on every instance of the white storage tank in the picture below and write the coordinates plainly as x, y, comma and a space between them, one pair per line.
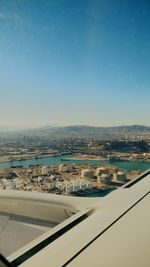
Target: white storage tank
63, 168
101, 170
18, 183
86, 173
121, 176
9, 184
105, 178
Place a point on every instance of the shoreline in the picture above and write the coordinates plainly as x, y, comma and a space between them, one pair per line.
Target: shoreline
5, 159
86, 158
102, 159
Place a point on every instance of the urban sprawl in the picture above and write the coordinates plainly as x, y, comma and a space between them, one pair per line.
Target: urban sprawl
69, 177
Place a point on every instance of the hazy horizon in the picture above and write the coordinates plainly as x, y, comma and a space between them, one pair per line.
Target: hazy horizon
81, 62
5, 129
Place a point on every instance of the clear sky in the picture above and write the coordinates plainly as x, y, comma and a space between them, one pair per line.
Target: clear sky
74, 62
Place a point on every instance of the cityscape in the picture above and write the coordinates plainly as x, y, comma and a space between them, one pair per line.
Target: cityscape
82, 165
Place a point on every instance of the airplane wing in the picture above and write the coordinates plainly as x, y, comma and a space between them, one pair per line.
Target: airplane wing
50, 230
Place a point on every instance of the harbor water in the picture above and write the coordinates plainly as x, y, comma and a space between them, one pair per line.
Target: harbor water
127, 165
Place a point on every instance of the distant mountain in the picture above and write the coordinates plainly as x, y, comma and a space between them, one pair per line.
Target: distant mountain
89, 131
84, 131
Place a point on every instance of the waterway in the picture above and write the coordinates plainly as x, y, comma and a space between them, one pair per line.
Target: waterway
129, 166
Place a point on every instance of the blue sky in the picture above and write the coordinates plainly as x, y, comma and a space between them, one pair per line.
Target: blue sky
74, 62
